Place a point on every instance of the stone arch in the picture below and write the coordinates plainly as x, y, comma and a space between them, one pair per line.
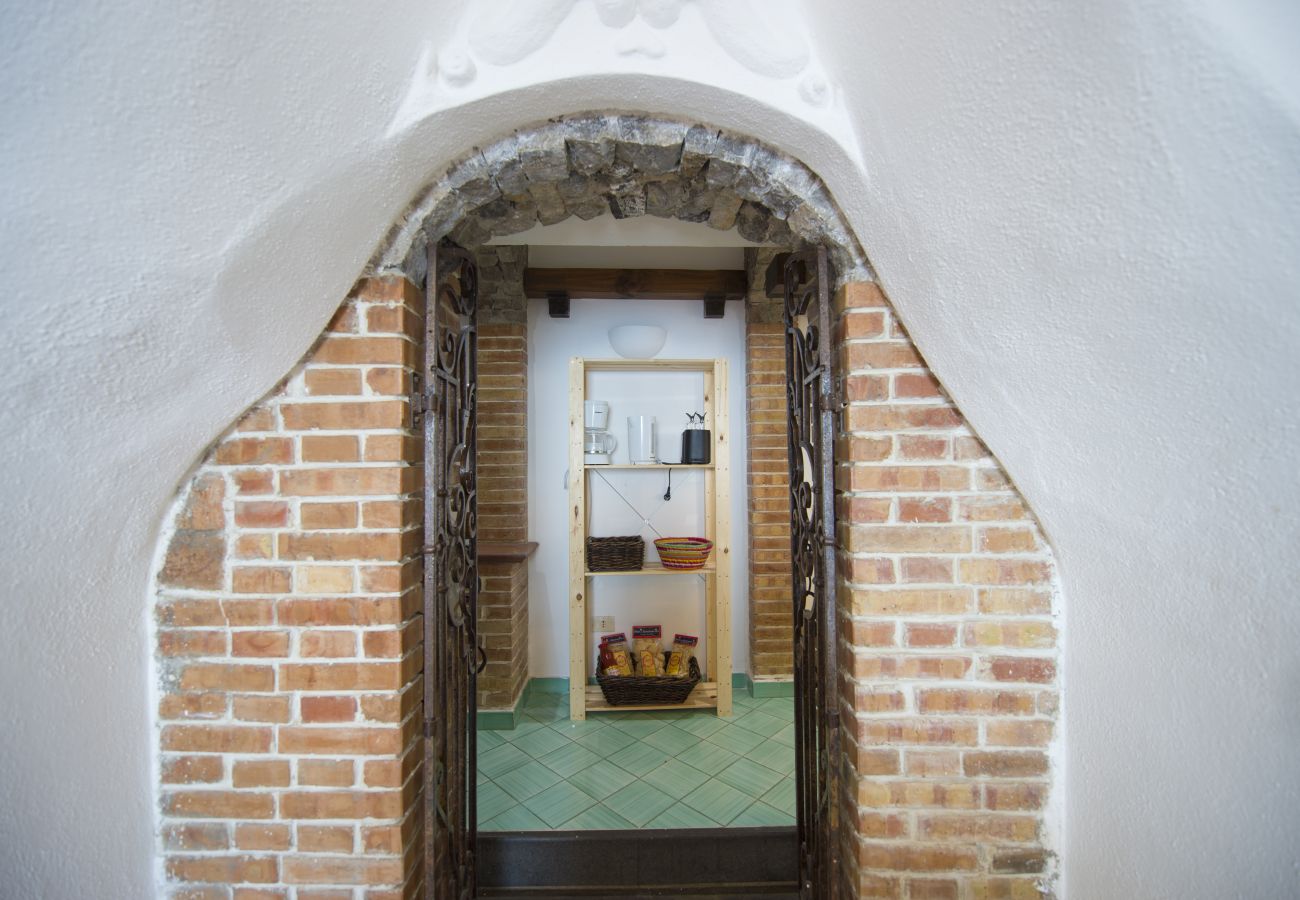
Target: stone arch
627, 165
288, 635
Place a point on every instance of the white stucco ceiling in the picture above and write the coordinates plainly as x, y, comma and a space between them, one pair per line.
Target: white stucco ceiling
1086, 214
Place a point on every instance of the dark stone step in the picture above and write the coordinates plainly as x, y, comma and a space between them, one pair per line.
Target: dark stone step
697, 862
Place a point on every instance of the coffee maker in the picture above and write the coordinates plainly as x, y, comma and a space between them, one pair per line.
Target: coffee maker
597, 442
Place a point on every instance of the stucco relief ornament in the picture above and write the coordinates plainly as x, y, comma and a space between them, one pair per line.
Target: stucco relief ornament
500, 44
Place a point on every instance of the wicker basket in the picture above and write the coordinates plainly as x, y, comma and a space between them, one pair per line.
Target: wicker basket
615, 554
638, 690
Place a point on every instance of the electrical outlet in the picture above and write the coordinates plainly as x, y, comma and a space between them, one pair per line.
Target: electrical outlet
604, 623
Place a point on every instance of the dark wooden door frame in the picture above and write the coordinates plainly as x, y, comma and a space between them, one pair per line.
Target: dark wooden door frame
445, 398
812, 408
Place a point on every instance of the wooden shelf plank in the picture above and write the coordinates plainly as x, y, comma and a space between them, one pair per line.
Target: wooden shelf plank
658, 568
657, 467
705, 696
649, 365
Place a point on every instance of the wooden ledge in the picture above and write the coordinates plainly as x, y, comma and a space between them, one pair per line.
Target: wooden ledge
499, 552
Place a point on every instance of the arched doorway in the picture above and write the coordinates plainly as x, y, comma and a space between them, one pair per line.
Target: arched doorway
290, 644
631, 166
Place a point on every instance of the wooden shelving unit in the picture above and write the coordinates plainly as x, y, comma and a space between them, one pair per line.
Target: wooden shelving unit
713, 694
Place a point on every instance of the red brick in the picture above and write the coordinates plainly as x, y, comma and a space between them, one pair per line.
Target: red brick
220, 804
224, 869
916, 509
261, 580
216, 738
325, 839
341, 804
261, 514
259, 836
260, 773
192, 706
327, 643
341, 870
207, 676
262, 709
329, 546
919, 635
254, 481
975, 702
196, 836
328, 515
922, 447
341, 677
918, 858
908, 478
332, 382
331, 448
919, 385
192, 769
328, 709
259, 643
350, 482
326, 772
203, 507
194, 559
1004, 571
255, 451
192, 643
1005, 763
1021, 668
333, 741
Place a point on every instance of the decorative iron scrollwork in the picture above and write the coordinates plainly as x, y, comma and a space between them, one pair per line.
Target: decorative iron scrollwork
453, 654
811, 410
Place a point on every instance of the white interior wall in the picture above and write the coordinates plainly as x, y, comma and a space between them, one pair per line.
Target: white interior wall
1086, 213
628, 502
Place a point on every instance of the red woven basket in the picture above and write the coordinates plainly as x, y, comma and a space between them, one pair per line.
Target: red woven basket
684, 552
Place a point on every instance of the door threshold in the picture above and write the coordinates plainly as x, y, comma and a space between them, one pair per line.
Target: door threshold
686, 863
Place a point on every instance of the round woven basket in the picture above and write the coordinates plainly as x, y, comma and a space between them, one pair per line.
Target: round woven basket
684, 552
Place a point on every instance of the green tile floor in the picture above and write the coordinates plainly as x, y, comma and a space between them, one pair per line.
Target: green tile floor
687, 769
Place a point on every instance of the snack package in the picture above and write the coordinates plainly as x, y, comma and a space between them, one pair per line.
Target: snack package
614, 658
679, 660
648, 649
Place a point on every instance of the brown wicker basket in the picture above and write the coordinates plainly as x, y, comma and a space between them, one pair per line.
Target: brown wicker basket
615, 554
636, 690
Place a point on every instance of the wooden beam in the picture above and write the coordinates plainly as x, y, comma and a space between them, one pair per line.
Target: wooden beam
635, 284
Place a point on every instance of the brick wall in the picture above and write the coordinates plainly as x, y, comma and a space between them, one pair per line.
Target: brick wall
771, 627
289, 633
503, 622
289, 629
503, 432
949, 648
503, 472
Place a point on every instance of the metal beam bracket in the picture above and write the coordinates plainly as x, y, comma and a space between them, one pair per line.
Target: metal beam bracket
715, 306
558, 304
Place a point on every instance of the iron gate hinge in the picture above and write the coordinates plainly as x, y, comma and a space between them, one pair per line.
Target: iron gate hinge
419, 401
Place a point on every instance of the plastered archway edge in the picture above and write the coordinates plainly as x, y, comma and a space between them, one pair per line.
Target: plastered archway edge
906, 643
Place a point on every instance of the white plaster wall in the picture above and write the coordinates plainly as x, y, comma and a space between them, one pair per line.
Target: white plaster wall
1086, 213
675, 602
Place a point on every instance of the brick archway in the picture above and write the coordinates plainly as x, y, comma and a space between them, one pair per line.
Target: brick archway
287, 600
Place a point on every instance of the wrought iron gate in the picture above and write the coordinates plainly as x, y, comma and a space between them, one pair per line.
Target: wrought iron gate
444, 397
812, 409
